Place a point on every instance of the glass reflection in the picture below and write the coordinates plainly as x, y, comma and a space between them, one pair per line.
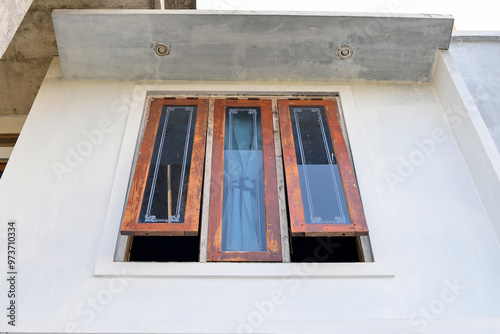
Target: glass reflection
243, 220
165, 194
322, 193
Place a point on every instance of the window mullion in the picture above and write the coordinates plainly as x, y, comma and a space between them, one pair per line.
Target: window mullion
206, 184
285, 242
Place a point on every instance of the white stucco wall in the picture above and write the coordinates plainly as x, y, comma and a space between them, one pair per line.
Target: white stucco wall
472, 129
477, 62
425, 216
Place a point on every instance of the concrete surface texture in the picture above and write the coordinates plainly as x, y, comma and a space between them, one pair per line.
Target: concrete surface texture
11, 15
249, 46
180, 4
28, 56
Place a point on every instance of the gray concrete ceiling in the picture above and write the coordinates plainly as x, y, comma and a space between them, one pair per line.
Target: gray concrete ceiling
28, 56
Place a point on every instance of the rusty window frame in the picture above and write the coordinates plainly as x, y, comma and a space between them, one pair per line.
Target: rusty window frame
273, 240
294, 206
357, 225
190, 226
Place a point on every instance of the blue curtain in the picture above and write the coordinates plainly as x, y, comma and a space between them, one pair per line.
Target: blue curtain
243, 222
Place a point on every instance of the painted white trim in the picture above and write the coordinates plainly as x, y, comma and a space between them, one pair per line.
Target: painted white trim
105, 266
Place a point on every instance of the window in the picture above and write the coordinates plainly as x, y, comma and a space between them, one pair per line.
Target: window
164, 198
322, 193
243, 222
244, 214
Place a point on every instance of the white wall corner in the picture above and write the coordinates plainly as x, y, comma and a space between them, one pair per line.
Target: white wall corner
472, 135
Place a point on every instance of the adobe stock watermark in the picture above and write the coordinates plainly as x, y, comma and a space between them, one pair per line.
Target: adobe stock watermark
408, 165
421, 319
455, 116
74, 155
291, 280
95, 304
93, 138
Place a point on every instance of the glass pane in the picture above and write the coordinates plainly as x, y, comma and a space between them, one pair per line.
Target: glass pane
243, 218
165, 194
322, 193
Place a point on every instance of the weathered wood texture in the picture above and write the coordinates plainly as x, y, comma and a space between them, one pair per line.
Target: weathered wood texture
205, 211
130, 224
8, 139
285, 242
273, 240
297, 220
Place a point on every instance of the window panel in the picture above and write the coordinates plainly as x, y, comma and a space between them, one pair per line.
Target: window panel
164, 199
321, 186
244, 216
323, 197
166, 191
243, 207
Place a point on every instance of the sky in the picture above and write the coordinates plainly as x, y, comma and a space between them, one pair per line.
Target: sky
469, 15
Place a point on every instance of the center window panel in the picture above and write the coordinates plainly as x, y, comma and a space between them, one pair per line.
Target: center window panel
244, 213
243, 206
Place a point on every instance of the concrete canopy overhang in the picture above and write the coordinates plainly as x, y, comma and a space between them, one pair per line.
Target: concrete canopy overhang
281, 46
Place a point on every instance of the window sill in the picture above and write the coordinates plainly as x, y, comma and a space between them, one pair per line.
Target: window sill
377, 269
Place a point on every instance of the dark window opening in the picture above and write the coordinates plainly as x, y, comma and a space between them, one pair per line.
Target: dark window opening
324, 249
165, 249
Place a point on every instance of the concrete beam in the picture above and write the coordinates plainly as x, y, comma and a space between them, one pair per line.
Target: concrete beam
211, 45
28, 56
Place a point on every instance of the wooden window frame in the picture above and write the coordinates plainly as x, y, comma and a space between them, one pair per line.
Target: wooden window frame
358, 225
8, 139
190, 226
3, 164
273, 239
214, 135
